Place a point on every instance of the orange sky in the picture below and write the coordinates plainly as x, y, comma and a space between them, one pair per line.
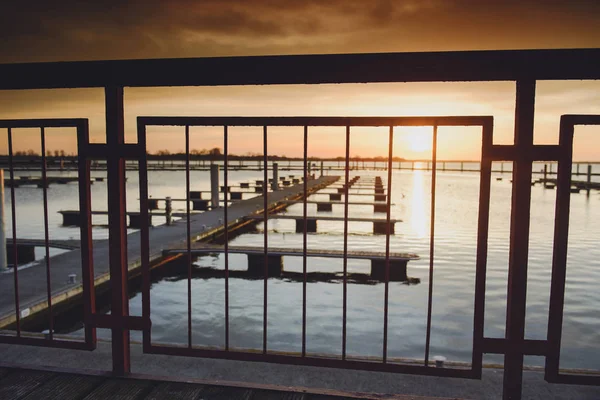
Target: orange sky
74, 30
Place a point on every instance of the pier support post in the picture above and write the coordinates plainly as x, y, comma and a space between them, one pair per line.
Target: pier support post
152, 204
321, 168
168, 211
3, 260
25, 253
199, 205
214, 185
311, 225
382, 228
397, 270
589, 177
380, 208
380, 197
275, 184
545, 172
324, 207
256, 265
135, 220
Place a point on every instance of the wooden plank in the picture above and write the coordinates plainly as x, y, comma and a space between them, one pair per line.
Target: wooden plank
201, 248
322, 218
65, 386
122, 389
20, 382
4, 372
350, 203
175, 391
277, 395
225, 393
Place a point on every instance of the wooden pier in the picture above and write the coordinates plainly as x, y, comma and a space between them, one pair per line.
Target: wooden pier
169, 239
32, 281
380, 225
256, 259
378, 206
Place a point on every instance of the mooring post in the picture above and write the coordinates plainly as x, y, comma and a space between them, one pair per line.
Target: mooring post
3, 263
545, 172
321, 168
589, 178
577, 173
214, 185
275, 184
168, 210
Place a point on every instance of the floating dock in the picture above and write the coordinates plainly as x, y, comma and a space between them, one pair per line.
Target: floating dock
32, 281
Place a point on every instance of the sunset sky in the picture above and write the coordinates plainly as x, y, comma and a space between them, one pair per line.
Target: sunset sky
75, 30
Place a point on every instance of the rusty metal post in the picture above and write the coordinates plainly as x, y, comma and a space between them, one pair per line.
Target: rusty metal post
519, 240
3, 260
117, 224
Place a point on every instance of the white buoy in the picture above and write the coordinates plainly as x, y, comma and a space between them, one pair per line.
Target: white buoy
3, 262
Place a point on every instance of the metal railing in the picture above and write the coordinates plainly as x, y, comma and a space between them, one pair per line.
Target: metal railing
524, 68
474, 371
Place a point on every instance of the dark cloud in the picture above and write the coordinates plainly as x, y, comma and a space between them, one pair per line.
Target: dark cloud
40, 30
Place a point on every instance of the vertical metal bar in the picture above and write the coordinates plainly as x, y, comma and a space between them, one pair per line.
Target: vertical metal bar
226, 218
117, 238
85, 208
13, 206
519, 240
144, 234
345, 287
482, 242
188, 233
46, 233
559, 256
265, 235
387, 244
304, 239
431, 243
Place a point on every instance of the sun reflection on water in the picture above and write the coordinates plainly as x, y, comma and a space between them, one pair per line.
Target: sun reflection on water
418, 217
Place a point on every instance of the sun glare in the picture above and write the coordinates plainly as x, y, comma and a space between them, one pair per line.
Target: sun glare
416, 139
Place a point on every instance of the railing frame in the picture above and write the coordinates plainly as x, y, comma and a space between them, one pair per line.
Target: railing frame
522, 67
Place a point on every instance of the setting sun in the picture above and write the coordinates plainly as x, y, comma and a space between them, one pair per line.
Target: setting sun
415, 140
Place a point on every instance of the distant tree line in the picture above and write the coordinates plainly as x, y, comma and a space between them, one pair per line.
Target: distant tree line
216, 154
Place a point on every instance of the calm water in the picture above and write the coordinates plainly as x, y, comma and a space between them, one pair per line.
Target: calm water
455, 251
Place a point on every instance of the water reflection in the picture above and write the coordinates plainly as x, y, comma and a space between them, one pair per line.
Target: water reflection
418, 217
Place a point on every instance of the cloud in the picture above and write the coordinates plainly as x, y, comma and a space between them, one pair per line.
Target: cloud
40, 30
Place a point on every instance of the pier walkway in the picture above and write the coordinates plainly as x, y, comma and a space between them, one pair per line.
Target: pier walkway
52, 383
32, 281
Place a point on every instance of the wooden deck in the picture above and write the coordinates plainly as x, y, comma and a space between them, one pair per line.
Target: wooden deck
324, 218
32, 281
333, 202
30, 384
200, 248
